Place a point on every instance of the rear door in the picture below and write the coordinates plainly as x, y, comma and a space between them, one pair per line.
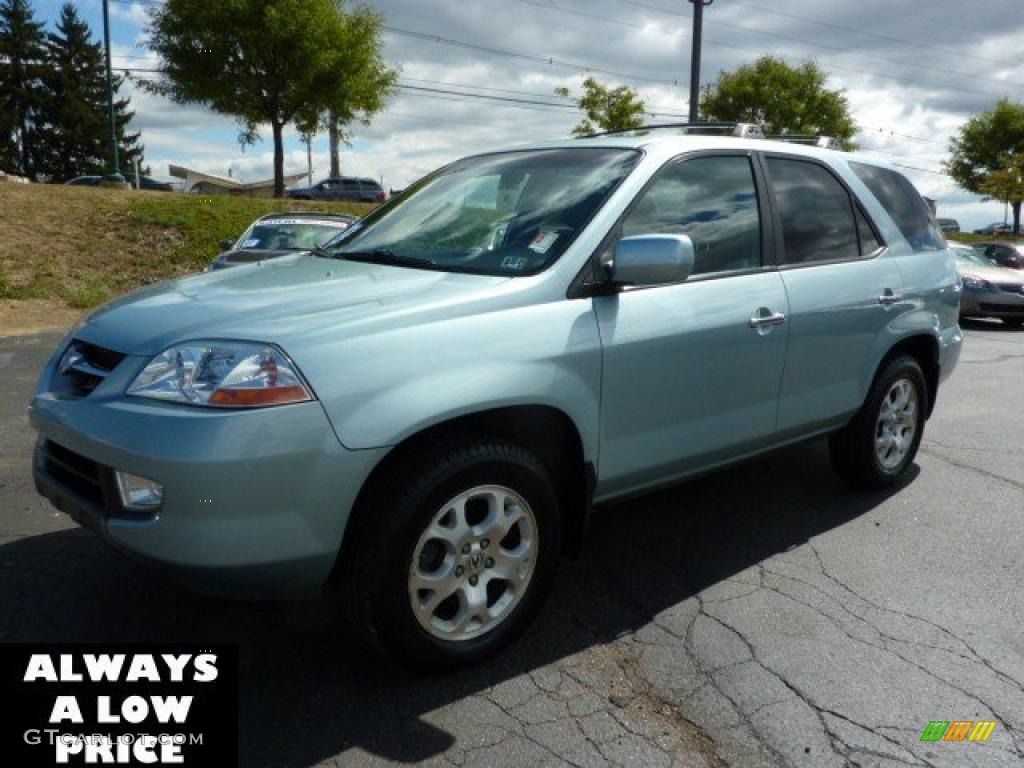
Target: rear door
691, 371
843, 290
351, 189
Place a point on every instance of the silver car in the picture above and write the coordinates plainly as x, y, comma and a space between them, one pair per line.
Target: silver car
989, 289
425, 413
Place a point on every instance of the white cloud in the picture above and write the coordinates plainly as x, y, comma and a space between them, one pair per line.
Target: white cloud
909, 70
134, 13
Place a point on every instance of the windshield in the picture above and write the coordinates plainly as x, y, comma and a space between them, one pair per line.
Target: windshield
290, 234
510, 214
969, 257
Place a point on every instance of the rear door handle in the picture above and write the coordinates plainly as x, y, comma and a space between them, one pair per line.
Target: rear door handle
889, 297
760, 321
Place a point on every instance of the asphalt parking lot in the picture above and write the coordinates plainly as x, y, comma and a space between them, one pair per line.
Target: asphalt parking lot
761, 616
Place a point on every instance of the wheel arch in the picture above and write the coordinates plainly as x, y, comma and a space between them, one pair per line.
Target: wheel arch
923, 347
547, 431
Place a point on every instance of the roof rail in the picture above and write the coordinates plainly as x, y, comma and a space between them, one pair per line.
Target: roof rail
825, 142
741, 130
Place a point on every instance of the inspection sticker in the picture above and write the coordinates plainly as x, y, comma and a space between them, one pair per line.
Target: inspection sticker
543, 241
514, 262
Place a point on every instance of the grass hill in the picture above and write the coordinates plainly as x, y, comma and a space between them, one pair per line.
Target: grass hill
80, 246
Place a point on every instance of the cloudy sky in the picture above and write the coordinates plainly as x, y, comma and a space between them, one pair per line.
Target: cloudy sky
913, 71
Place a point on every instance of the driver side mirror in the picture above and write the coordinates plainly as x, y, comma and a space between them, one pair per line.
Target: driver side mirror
652, 260
227, 245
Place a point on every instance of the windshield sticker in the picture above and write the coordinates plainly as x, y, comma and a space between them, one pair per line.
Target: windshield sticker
251, 242
516, 263
312, 222
543, 241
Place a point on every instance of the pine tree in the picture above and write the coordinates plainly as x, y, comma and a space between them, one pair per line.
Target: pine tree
76, 126
22, 64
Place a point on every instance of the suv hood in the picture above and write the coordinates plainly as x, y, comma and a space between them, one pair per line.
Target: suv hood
238, 256
272, 301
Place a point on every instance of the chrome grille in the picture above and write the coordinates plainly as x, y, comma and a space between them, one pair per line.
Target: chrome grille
83, 367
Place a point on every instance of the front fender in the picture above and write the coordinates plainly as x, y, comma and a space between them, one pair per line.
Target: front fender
400, 381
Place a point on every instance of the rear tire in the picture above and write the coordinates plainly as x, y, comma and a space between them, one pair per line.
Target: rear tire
423, 568
879, 445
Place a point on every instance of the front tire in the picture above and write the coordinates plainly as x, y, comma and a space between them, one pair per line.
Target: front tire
877, 448
453, 553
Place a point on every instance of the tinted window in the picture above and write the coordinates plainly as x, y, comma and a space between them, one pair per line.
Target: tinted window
906, 207
713, 200
349, 184
816, 211
869, 242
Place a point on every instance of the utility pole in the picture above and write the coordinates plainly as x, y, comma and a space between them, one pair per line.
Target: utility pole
698, 28
115, 169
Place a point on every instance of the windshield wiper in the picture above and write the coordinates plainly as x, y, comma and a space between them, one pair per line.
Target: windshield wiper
384, 256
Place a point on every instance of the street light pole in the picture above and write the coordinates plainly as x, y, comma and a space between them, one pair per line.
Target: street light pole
698, 28
115, 169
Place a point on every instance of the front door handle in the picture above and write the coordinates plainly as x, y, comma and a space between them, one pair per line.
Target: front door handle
767, 318
889, 297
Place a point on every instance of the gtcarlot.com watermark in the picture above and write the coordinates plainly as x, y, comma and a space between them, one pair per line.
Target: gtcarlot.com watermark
110, 748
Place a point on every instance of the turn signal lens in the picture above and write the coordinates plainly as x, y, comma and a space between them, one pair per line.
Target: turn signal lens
247, 398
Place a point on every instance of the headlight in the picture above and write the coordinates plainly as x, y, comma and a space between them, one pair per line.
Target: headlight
977, 284
224, 374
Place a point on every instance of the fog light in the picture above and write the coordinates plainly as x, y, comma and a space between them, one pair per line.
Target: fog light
138, 493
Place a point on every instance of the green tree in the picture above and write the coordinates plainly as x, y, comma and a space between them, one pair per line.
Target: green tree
22, 63
606, 109
272, 61
781, 98
987, 156
75, 129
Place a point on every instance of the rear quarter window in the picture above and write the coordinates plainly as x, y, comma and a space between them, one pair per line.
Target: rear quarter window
904, 205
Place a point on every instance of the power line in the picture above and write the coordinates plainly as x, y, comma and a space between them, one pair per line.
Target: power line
440, 93
654, 110
580, 66
488, 97
476, 87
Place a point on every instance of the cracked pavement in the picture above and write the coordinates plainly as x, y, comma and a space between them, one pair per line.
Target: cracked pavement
761, 616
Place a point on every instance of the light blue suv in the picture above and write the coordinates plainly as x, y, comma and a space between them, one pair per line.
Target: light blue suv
424, 412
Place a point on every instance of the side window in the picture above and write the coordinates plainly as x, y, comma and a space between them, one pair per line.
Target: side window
869, 242
816, 211
906, 207
713, 200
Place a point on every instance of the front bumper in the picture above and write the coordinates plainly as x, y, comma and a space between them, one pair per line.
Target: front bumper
992, 304
255, 502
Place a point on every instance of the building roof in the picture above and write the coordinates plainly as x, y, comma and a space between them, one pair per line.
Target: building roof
193, 177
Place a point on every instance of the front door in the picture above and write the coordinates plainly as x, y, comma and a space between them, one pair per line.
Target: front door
691, 371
